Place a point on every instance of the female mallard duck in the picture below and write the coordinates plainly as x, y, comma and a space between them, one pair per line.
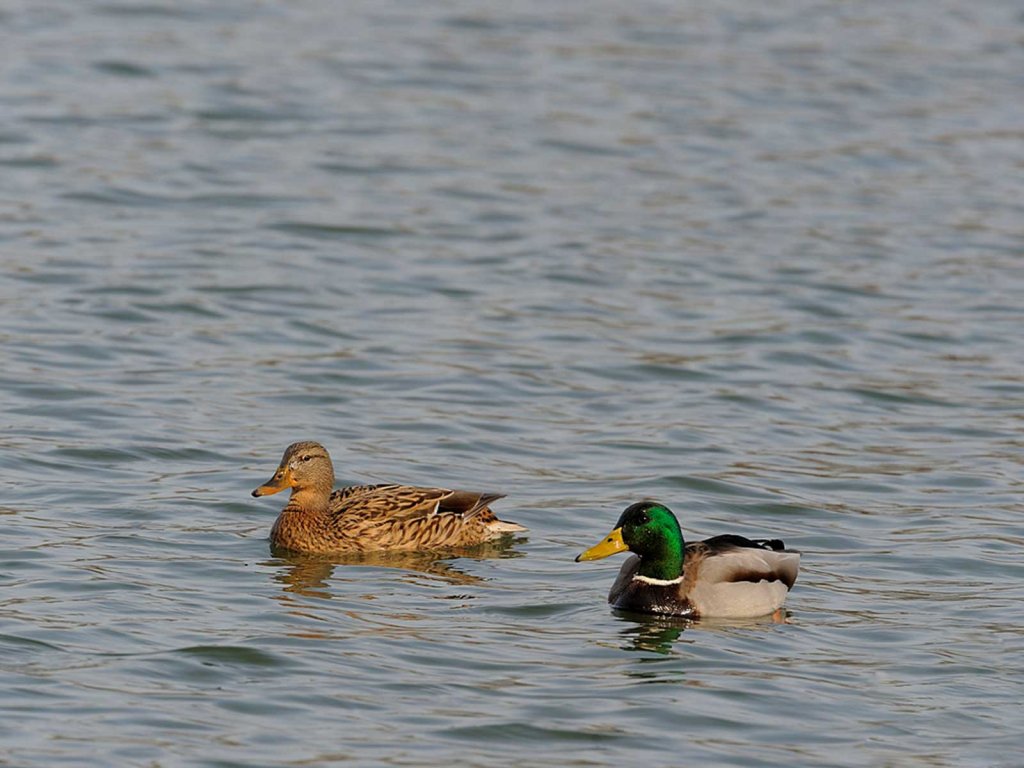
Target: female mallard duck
363, 518
725, 576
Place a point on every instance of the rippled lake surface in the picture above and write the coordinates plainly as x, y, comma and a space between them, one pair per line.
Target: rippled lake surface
762, 262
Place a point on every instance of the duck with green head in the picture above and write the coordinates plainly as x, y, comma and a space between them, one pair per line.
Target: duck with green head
725, 576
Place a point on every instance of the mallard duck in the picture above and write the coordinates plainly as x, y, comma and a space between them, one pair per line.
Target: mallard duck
366, 518
725, 576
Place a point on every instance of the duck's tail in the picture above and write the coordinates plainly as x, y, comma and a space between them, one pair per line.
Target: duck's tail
500, 527
470, 504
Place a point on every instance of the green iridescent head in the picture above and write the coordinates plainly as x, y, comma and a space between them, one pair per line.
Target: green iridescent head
651, 531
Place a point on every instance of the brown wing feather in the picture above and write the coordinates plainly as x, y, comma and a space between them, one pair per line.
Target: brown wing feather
470, 503
401, 517
344, 495
383, 503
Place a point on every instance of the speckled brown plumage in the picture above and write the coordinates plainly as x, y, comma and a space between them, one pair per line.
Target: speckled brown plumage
366, 518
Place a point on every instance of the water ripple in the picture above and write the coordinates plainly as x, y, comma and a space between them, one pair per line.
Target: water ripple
760, 263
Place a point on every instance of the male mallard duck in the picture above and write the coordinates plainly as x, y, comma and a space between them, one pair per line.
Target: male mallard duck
363, 518
725, 576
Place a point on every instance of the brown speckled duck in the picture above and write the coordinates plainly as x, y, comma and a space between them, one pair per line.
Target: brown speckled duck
367, 518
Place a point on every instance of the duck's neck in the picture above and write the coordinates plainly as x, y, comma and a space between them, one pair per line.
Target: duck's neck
312, 500
664, 562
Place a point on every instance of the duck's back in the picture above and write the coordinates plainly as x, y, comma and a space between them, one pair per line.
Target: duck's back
725, 576
736, 577
364, 518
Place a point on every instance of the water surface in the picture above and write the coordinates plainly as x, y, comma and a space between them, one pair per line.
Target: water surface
764, 264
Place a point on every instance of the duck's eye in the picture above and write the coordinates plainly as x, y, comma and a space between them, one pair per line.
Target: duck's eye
643, 520
305, 458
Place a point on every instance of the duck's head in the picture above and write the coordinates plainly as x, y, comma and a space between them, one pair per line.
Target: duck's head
649, 530
304, 466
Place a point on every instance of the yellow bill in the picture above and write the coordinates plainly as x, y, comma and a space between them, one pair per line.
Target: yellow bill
612, 543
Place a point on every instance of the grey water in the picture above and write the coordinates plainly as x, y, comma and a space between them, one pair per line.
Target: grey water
763, 262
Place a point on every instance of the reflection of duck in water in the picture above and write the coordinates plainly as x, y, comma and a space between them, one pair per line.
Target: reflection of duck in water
367, 518
310, 574
725, 576
655, 636
658, 633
